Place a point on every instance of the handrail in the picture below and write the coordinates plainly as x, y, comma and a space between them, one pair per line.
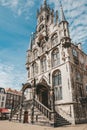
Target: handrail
43, 105
14, 110
46, 111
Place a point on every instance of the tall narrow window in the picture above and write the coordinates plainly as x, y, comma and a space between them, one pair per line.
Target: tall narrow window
54, 39
57, 85
55, 58
43, 64
75, 56
35, 68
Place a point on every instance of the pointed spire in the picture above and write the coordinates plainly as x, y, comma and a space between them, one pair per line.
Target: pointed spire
62, 13
45, 3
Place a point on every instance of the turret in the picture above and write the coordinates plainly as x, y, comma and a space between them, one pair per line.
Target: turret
45, 16
65, 37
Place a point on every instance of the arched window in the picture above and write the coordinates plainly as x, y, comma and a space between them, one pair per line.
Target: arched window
55, 58
54, 39
28, 94
35, 53
35, 68
43, 64
57, 84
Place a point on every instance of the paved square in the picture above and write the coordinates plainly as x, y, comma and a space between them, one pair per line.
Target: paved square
6, 125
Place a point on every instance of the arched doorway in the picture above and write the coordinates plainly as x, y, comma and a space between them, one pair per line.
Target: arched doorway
26, 89
43, 94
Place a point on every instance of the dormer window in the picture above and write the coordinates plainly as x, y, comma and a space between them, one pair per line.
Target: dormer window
2, 90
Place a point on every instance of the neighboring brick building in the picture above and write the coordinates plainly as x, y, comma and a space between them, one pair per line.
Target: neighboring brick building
12, 95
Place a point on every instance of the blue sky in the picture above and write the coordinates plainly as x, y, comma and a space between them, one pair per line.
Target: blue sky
18, 21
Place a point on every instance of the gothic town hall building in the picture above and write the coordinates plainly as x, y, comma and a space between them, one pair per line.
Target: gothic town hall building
57, 72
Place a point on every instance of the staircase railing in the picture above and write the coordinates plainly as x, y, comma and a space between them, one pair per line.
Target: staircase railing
46, 111
15, 109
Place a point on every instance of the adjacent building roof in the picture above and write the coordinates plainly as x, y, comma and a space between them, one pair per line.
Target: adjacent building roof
13, 91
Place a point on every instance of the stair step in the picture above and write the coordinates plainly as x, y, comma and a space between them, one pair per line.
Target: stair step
42, 119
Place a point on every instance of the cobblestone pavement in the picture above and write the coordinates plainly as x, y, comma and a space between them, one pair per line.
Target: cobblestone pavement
6, 125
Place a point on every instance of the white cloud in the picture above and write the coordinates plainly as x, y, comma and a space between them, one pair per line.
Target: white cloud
76, 15
18, 6
10, 3
10, 76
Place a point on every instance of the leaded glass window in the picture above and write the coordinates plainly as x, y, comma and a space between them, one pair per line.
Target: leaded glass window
55, 57
57, 85
54, 39
35, 68
43, 64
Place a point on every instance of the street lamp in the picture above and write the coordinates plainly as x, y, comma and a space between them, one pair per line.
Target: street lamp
32, 114
12, 106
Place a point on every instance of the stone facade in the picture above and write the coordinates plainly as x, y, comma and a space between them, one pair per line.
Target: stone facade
55, 62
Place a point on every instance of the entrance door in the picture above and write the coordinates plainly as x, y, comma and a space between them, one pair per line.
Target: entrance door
42, 94
45, 98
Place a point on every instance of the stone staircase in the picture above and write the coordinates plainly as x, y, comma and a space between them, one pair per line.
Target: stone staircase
60, 121
42, 115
